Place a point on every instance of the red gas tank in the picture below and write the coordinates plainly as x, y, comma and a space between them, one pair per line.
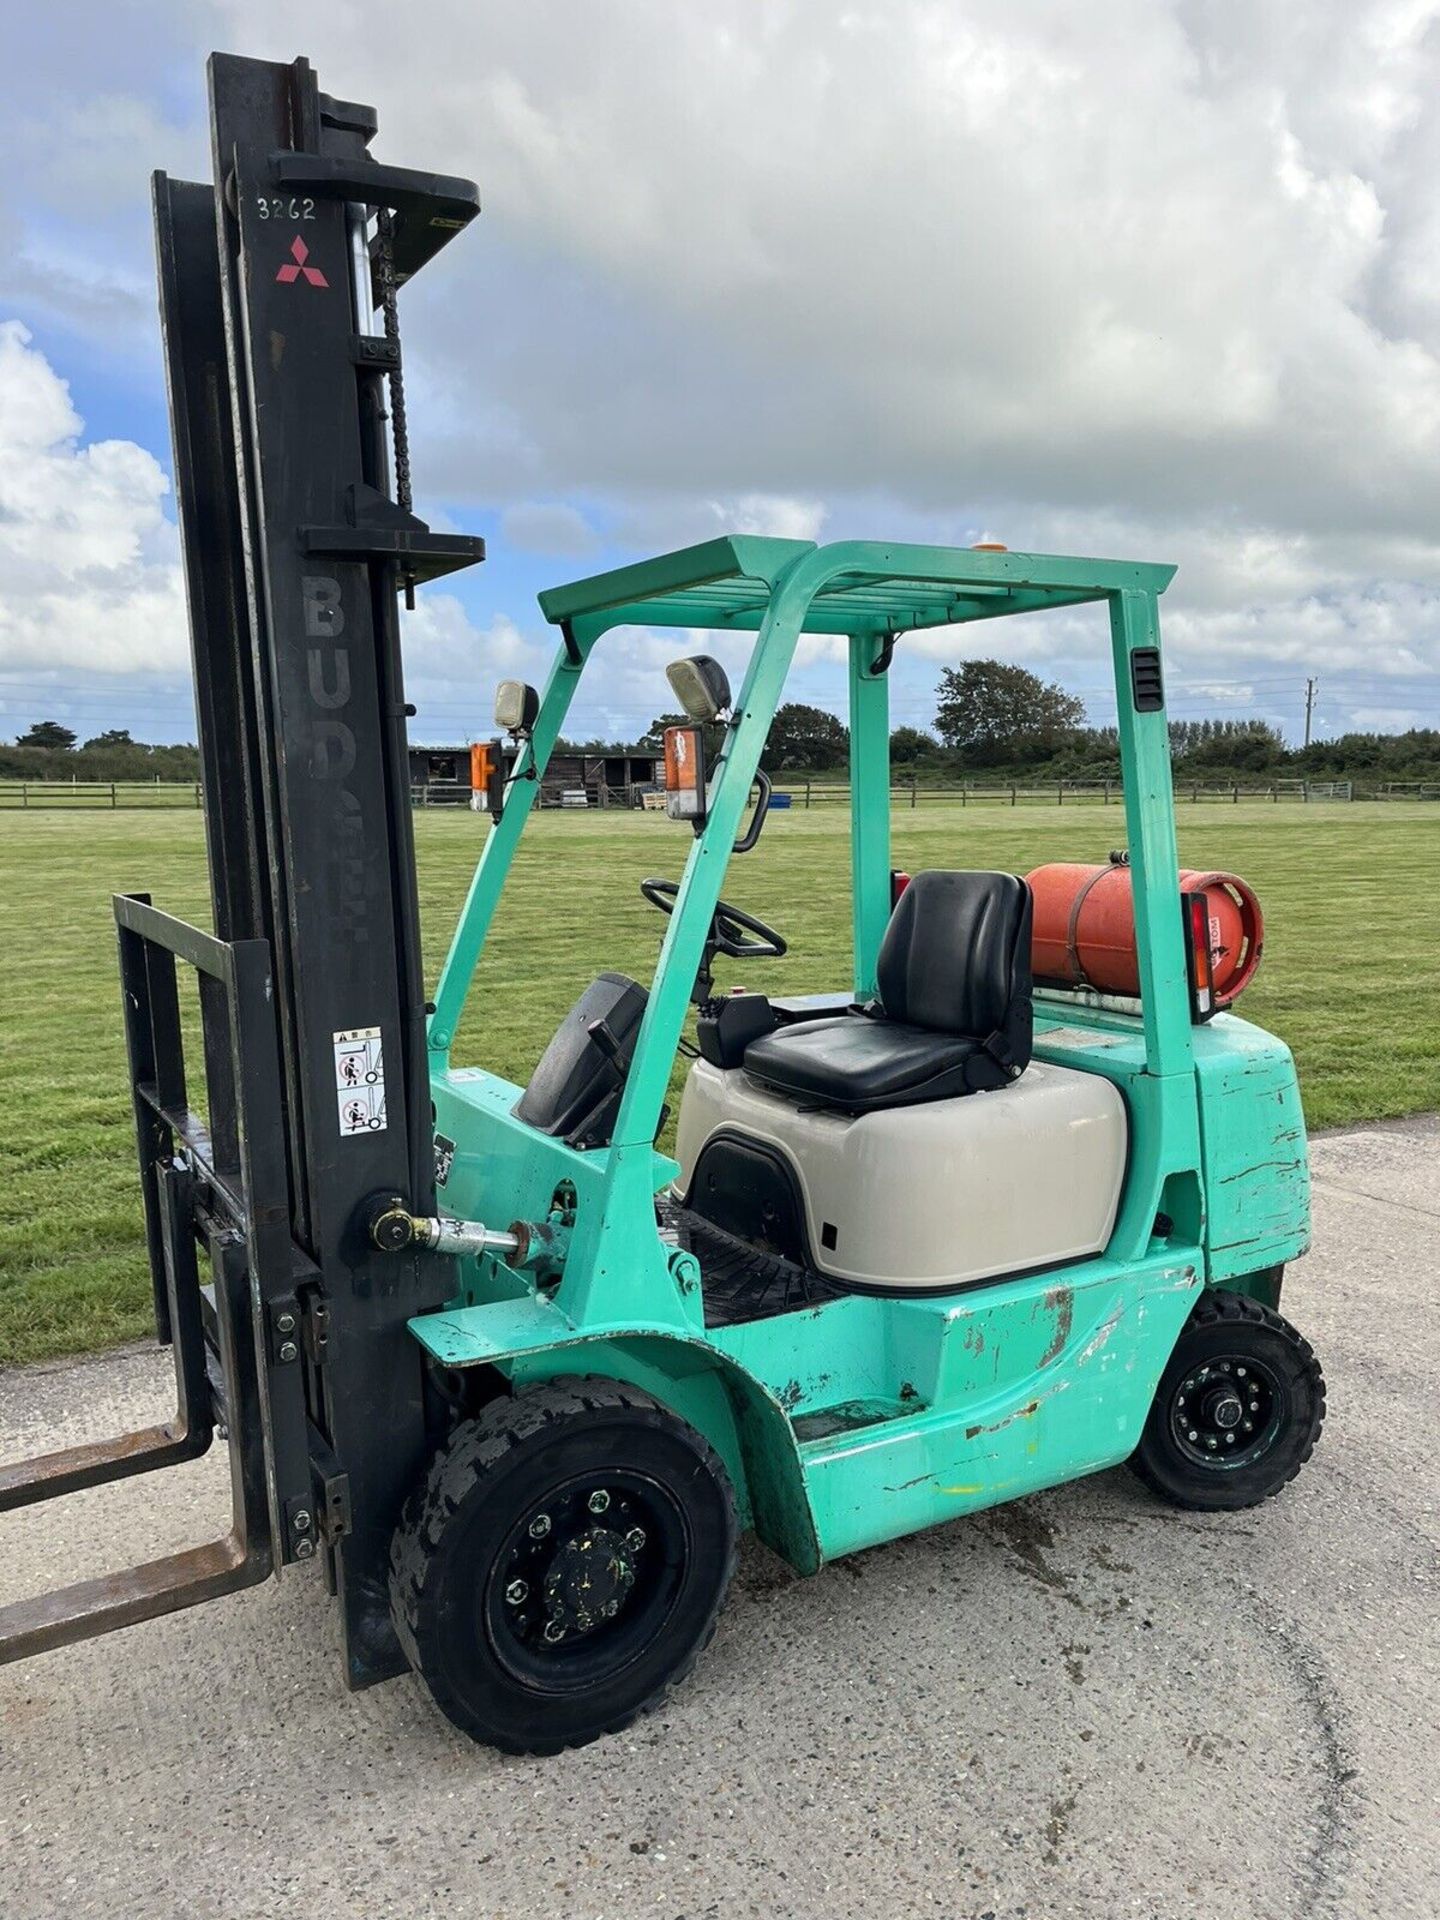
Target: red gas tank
1084, 933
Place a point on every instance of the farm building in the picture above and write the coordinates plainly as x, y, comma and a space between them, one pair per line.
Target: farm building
616, 776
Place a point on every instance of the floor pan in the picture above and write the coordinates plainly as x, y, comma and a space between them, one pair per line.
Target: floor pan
739, 1283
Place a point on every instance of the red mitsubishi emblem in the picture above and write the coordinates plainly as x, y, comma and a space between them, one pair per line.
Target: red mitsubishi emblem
295, 266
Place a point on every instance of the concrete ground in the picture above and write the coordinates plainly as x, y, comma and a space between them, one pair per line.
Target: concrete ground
1083, 1704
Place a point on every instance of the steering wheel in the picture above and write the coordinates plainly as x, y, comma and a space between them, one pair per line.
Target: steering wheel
728, 928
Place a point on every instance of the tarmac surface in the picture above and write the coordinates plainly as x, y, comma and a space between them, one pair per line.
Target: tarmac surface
1083, 1704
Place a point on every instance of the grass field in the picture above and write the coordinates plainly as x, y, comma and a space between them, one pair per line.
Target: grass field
1351, 978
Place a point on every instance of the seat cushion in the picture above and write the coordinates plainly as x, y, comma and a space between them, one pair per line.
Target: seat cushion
859, 1064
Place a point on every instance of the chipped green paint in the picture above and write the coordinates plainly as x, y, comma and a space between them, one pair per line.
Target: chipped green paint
1059, 1303
850, 1423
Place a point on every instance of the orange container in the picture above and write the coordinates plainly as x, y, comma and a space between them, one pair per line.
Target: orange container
1084, 929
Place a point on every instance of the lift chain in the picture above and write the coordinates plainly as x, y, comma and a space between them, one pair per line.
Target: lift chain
399, 426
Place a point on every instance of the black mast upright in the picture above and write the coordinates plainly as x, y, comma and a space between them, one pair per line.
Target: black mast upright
291, 1338
295, 552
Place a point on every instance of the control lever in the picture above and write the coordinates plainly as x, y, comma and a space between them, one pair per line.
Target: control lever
604, 1039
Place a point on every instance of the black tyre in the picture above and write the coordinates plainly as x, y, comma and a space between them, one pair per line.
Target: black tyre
562, 1563
1238, 1409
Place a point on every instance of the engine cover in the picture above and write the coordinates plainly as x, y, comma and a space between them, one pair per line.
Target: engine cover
937, 1195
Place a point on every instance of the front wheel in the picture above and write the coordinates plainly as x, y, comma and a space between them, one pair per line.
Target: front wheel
1238, 1410
562, 1563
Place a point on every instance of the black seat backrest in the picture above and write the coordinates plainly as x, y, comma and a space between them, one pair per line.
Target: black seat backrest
574, 1092
956, 957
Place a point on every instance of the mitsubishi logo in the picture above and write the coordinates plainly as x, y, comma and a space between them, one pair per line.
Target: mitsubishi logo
295, 266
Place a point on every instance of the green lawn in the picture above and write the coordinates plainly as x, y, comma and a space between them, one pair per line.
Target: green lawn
1351, 977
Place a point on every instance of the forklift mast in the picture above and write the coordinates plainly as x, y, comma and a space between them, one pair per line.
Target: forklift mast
278, 291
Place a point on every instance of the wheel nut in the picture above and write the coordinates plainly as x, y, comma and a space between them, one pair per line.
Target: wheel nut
612, 1609
598, 1501
1211, 1443
635, 1539
516, 1592
1193, 1434
554, 1631
1229, 1439
540, 1526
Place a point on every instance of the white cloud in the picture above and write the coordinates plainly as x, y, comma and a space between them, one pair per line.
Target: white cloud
549, 527
1374, 720
1035, 250
1143, 279
452, 665
1223, 693
771, 514
87, 556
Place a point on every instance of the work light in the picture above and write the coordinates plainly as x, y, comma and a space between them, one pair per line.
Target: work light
701, 686
516, 706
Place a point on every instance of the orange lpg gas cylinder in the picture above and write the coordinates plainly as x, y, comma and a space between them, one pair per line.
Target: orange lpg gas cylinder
1085, 928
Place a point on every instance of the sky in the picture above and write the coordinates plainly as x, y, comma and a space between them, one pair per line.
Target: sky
1143, 279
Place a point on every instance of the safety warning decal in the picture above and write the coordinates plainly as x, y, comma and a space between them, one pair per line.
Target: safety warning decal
444, 1158
360, 1080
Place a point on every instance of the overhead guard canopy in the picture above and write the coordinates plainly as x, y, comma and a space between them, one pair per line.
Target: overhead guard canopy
875, 587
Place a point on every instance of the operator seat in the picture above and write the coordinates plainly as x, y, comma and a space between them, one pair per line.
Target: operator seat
953, 1013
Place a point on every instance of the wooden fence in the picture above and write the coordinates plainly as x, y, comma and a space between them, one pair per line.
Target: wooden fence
84, 795
1064, 793
81, 795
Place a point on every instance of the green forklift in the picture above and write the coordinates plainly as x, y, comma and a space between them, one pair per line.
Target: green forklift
929, 1242
512, 1377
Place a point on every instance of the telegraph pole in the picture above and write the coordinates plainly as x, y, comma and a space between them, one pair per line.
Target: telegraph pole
1310, 686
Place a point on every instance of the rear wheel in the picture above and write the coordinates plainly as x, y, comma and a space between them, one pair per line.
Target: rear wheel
562, 1564
1238, 1409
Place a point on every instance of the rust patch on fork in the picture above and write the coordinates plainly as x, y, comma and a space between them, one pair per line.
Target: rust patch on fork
122, 1599
94, 1464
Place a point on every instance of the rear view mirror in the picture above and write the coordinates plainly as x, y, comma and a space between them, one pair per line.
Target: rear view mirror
516, 706
701, 686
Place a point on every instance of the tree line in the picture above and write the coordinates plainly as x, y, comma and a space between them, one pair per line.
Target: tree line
991, 719
49, 751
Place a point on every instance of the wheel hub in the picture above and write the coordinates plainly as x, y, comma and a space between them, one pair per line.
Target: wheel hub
587, 1575
1226, 1412
1223, 1408
588, 1580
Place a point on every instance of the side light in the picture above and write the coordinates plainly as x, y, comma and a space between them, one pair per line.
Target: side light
685, 797
487, 777
899, 880
1199, 960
